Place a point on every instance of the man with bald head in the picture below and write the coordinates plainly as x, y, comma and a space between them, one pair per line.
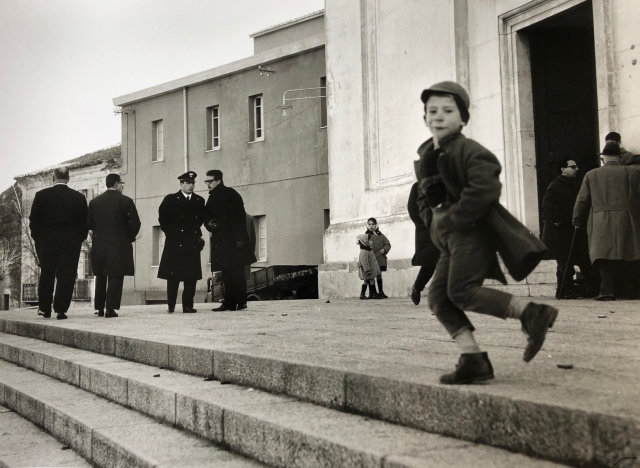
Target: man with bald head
58, 223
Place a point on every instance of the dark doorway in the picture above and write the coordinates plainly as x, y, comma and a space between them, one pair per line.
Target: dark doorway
5, 302
564, 93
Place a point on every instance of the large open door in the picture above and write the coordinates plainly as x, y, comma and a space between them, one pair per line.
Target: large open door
564, 93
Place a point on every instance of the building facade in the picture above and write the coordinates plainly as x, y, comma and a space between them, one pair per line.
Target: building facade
87, 175
227, 118
547, 79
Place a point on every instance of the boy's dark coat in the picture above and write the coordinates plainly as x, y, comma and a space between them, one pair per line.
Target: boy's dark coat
426, 253
114, 220
470, 173
181, 220
226, 207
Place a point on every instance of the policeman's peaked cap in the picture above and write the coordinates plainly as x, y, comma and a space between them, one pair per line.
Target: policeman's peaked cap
188, 176
460, 95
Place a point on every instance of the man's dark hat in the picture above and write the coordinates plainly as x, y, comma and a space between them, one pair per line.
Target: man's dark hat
450, 87
188, 176
611, 149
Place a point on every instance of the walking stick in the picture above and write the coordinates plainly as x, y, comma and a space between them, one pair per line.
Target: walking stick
564, 275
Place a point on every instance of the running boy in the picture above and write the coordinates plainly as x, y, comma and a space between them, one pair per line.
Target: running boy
459, 182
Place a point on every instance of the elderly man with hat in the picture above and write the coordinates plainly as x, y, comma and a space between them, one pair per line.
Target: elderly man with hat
459, 183
181, 216
608, 205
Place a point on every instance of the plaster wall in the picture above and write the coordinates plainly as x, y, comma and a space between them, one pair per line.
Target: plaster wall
288, 34
380, 56
283, 177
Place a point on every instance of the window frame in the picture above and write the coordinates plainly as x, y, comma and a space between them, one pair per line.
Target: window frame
213, 127
261, 241
157, 141
324, 119
256, 115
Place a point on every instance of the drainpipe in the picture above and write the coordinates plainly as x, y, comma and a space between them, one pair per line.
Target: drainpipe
186, 133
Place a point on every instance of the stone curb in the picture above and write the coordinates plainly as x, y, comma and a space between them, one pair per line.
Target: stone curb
540, 430
109, 444
271, 429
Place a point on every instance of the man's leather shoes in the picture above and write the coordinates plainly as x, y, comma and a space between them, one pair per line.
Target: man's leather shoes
62, 316
171, 310
222, 308
241, 307
415, 296
44, 314
110, 313
100, 313
189, 310
536, 320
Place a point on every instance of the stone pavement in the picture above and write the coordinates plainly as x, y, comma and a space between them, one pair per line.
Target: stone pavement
383, 358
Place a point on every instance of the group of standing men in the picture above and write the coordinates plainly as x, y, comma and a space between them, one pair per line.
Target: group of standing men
60, 221
595, 225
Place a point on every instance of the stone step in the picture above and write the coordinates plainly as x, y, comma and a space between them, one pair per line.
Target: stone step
383, 360
102, 432
23, 445
277, 430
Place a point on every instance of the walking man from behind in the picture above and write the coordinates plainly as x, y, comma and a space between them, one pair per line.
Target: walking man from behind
608, 206
231, 248
114, 222
180, 215
58, 224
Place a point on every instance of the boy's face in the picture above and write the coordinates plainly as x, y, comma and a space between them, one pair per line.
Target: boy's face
442, 116
372, 226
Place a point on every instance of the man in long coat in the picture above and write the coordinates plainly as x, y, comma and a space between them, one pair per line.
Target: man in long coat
181, 215
608, 205
114, 222
558, 233
231, 249
58, 224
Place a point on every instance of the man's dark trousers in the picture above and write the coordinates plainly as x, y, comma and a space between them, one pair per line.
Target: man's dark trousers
235, 287
187, 294
58, 263
616, 279
108, 292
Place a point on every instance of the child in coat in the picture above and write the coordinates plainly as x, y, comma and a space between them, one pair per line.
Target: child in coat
380, 246
368, 267
459, 182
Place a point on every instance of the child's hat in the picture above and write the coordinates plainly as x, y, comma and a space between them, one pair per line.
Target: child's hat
450, 87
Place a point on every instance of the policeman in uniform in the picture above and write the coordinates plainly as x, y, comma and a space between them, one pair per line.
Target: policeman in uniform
181, 216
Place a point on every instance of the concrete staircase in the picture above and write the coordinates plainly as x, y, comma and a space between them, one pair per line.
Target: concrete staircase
123, 401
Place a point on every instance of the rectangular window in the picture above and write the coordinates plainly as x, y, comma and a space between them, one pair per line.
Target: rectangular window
157, 147
213, 128
323, 102
158, 245
86, 257
256, 119
327, 219
261, 237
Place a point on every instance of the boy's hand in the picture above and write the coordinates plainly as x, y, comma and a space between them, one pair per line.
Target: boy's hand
368, 272
382, 251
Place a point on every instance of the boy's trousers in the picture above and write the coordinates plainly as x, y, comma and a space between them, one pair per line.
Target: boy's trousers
466, 258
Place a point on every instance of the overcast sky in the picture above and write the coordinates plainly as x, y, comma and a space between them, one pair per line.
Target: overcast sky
63, 61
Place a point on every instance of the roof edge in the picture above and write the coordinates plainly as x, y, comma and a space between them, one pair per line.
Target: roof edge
287, 50
286, 24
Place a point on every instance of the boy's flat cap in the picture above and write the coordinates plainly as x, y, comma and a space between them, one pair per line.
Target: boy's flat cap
449, 87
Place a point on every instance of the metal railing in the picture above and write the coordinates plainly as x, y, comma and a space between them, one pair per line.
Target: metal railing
29, 292
81, 291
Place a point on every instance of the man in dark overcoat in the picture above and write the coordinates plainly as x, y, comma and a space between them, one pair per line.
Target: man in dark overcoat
58, 224
114, 222
231, 250
608, 206
558, 232
181, 215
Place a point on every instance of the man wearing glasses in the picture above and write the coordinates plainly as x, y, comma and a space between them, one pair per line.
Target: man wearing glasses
558, 232
114, 222
181, 215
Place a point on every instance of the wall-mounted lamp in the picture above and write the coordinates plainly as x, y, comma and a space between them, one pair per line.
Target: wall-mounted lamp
123, 110
286, 106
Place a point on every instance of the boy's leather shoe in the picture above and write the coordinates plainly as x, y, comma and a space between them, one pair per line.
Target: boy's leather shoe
110, 313
415, 296
473, 367
536, 320
62, 316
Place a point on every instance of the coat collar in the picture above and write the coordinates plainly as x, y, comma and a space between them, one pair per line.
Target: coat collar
444, 143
